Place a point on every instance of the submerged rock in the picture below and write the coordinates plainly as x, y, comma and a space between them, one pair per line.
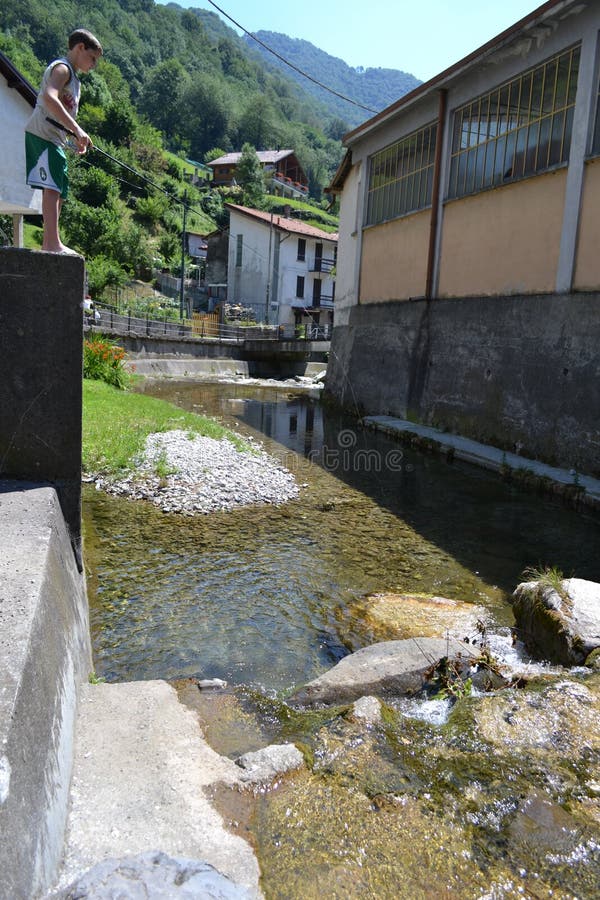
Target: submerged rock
399, 616
263, 766
561, 718
562, 626
391, 667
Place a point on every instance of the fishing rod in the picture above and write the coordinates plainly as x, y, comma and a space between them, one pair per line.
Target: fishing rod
124, 166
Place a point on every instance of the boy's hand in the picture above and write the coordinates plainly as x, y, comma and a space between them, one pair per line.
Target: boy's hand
82, 141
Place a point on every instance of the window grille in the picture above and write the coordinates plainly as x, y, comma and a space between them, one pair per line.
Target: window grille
401, 176
238, 250
520, 128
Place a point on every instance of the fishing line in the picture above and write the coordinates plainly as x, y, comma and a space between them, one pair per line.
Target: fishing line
123, 165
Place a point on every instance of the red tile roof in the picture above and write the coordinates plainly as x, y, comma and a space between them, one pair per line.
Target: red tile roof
293, 226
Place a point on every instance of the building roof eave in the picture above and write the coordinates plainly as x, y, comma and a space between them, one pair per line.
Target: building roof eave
16, 80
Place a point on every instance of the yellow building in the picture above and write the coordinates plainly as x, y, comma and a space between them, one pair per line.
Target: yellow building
482, 184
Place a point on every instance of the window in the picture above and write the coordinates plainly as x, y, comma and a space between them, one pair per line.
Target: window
518, 129
401, 176
299, 285
238, 250
301, 249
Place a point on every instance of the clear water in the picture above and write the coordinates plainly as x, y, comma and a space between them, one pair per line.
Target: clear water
496, 797
266, 596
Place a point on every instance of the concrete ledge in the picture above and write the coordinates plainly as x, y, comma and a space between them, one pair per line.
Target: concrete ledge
169, 367
44, 657
585, 488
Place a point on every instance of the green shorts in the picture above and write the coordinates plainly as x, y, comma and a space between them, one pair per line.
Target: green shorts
46, 165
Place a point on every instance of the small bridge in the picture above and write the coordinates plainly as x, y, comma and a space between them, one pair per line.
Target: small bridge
258, 351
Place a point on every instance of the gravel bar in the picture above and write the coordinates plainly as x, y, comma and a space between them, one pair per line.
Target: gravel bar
202, 475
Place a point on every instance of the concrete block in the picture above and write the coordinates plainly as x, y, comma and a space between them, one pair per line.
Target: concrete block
41, 350
44, 657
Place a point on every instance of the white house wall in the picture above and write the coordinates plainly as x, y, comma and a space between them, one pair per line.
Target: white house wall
247, 284
15, 196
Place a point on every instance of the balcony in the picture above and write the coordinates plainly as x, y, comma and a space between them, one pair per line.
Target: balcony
325, 301
320, 264
285, 187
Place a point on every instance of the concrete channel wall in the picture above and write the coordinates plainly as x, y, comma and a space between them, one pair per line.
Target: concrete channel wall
520, 373
44, 635
254, 358
45, 657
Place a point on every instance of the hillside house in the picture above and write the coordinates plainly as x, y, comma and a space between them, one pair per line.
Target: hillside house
17, 98
282, 267
286, 175
469, 271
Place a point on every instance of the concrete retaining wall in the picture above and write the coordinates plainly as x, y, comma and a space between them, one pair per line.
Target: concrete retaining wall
44, 657
519, 372
253, 358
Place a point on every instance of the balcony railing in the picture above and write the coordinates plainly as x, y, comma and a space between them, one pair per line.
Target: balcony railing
285, 182
320, 264
325, 301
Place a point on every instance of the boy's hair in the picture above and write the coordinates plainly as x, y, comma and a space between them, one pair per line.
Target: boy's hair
85, 37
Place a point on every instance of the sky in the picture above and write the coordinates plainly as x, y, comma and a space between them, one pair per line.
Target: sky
422, 37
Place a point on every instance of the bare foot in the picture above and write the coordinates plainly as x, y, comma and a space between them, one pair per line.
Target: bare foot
61, 248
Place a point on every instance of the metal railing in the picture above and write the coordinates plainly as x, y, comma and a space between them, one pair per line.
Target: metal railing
204, 328
321, 264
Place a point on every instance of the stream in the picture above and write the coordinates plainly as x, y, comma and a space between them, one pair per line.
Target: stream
434, 800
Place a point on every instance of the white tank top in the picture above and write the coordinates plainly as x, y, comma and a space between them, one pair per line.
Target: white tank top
69, 97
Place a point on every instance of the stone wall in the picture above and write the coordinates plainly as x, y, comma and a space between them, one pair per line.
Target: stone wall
520, 372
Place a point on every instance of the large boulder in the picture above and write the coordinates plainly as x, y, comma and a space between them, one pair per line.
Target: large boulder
388, 668
559, 623
154, 874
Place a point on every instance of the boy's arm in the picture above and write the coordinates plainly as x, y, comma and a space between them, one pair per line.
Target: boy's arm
58, 79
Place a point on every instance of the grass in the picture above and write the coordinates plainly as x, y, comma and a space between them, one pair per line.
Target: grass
32, 236
549, 578
116, 424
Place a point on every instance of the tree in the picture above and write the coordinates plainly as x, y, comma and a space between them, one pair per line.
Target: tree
215, 153
207, 115
249, 175
161, 96
257, 124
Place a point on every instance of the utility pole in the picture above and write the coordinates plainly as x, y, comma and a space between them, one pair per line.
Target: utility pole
269, 270
181, 290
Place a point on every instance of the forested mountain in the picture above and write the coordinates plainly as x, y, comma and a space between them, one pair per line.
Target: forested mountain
372, 88
176, 80
189, 74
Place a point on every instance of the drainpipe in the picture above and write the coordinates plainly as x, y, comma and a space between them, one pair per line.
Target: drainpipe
435, 193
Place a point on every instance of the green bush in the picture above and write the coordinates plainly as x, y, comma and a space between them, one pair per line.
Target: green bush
103, 360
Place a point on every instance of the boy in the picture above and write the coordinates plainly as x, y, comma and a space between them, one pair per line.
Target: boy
45, 134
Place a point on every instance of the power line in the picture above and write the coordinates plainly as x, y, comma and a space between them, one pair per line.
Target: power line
288, 63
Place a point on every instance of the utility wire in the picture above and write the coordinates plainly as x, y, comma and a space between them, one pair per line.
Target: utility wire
288, 63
